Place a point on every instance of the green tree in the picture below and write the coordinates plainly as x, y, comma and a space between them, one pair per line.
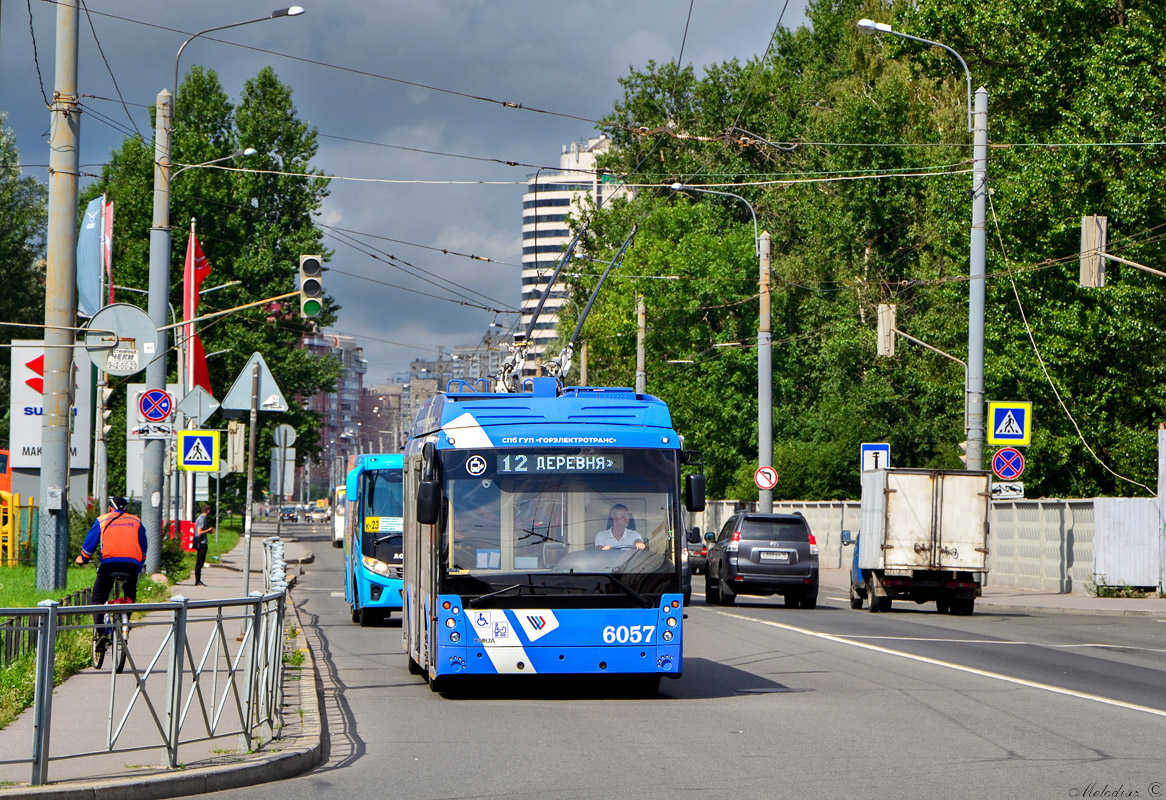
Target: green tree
803, 135
252, 225
22, 245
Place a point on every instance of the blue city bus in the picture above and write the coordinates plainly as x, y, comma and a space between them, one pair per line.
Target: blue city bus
372, 542
505, 494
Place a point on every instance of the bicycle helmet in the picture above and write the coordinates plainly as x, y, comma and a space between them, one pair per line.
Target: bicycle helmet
118, 503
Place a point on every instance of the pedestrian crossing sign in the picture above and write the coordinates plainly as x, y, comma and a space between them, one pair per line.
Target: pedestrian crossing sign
1009, 423
198, 451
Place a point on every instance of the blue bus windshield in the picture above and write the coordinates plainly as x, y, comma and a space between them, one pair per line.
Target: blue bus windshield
573, 522
381, 498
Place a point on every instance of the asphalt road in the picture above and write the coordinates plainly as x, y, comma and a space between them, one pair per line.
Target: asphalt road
774, 703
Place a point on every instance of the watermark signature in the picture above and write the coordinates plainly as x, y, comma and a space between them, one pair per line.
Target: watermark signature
1106, 790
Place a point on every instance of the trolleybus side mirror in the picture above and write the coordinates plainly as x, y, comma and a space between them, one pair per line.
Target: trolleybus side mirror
429, 502
694, 492
694, 534
428, 452
846, 540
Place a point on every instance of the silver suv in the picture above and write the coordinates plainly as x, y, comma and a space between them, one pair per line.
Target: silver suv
763, 554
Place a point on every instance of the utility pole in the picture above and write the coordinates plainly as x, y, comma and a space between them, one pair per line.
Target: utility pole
60, 308
976, 288
641, 328
251, 444
764, 375
158, 307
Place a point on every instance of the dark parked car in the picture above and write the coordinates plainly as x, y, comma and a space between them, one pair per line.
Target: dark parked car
697, 552
289, 514
763, 554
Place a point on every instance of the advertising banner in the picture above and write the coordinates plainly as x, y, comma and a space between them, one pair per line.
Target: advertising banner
26, 406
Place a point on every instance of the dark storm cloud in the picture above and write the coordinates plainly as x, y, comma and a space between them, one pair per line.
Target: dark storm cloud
564, 57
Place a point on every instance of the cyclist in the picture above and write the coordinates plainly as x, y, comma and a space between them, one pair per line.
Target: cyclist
121, 537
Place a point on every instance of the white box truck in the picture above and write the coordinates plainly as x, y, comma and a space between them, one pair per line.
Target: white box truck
924, 537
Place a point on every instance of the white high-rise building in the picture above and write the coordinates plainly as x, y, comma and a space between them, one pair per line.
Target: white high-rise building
551, 195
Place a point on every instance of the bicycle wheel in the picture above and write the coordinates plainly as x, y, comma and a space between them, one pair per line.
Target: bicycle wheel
98, 653
121, 642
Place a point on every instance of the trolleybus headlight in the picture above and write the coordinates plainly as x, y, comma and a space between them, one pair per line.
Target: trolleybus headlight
666, 636
450, 622
671, 622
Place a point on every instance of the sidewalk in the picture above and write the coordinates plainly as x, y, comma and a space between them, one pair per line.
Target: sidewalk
1008, 598
80, 715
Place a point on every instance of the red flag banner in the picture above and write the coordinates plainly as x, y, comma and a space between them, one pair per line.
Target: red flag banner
197, 268
199, 372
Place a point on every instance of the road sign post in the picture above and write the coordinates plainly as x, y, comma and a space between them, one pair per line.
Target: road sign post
1008, 464
874, 455
1010, 423
765, 478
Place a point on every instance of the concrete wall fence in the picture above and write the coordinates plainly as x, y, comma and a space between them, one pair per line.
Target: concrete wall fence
1048, 545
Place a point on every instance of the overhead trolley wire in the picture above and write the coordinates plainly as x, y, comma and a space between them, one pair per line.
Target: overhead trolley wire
395, 262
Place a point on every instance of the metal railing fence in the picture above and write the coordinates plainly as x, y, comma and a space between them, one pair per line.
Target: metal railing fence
214, 683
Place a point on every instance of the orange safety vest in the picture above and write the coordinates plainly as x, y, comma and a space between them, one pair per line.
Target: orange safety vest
119, 536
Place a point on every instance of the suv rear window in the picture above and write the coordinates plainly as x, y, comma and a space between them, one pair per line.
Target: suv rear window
769, 530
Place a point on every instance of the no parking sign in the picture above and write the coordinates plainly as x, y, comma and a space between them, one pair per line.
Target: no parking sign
1008, 463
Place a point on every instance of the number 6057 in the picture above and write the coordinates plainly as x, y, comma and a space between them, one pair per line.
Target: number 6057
625, 634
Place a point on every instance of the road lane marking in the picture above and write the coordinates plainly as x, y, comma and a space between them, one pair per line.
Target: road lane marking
830, 637
1011, 642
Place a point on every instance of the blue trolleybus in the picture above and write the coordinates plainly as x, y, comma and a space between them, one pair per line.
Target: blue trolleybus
544, 535
372, 543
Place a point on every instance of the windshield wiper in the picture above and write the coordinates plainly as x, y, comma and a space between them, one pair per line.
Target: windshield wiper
383, 539
478, 600
631, 592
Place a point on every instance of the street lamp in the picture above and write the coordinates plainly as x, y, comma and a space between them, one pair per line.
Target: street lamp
978, 125
293, 11
764, 349
159, 292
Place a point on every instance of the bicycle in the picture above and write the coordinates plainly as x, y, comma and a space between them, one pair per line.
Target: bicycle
115, 629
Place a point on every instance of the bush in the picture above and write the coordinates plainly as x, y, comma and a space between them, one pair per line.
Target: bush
173, 560
80, 521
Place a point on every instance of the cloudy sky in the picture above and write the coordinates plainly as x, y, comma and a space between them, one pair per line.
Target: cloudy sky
561, 57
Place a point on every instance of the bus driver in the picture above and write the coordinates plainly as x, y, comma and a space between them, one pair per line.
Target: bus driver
618, 535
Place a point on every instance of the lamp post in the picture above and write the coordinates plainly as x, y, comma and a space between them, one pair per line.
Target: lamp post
978, 126
764, 349
159, 298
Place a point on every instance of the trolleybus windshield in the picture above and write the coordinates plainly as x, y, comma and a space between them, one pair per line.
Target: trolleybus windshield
524, 524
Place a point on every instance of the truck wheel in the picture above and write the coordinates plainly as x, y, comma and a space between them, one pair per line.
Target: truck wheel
791, 600
855, 598
943, 605
876, 604
964, 608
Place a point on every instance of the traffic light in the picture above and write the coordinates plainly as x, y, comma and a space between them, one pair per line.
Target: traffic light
964, 452
106, 411
311, 286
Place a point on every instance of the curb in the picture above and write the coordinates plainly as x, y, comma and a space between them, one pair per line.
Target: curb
305, 753
984, 606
